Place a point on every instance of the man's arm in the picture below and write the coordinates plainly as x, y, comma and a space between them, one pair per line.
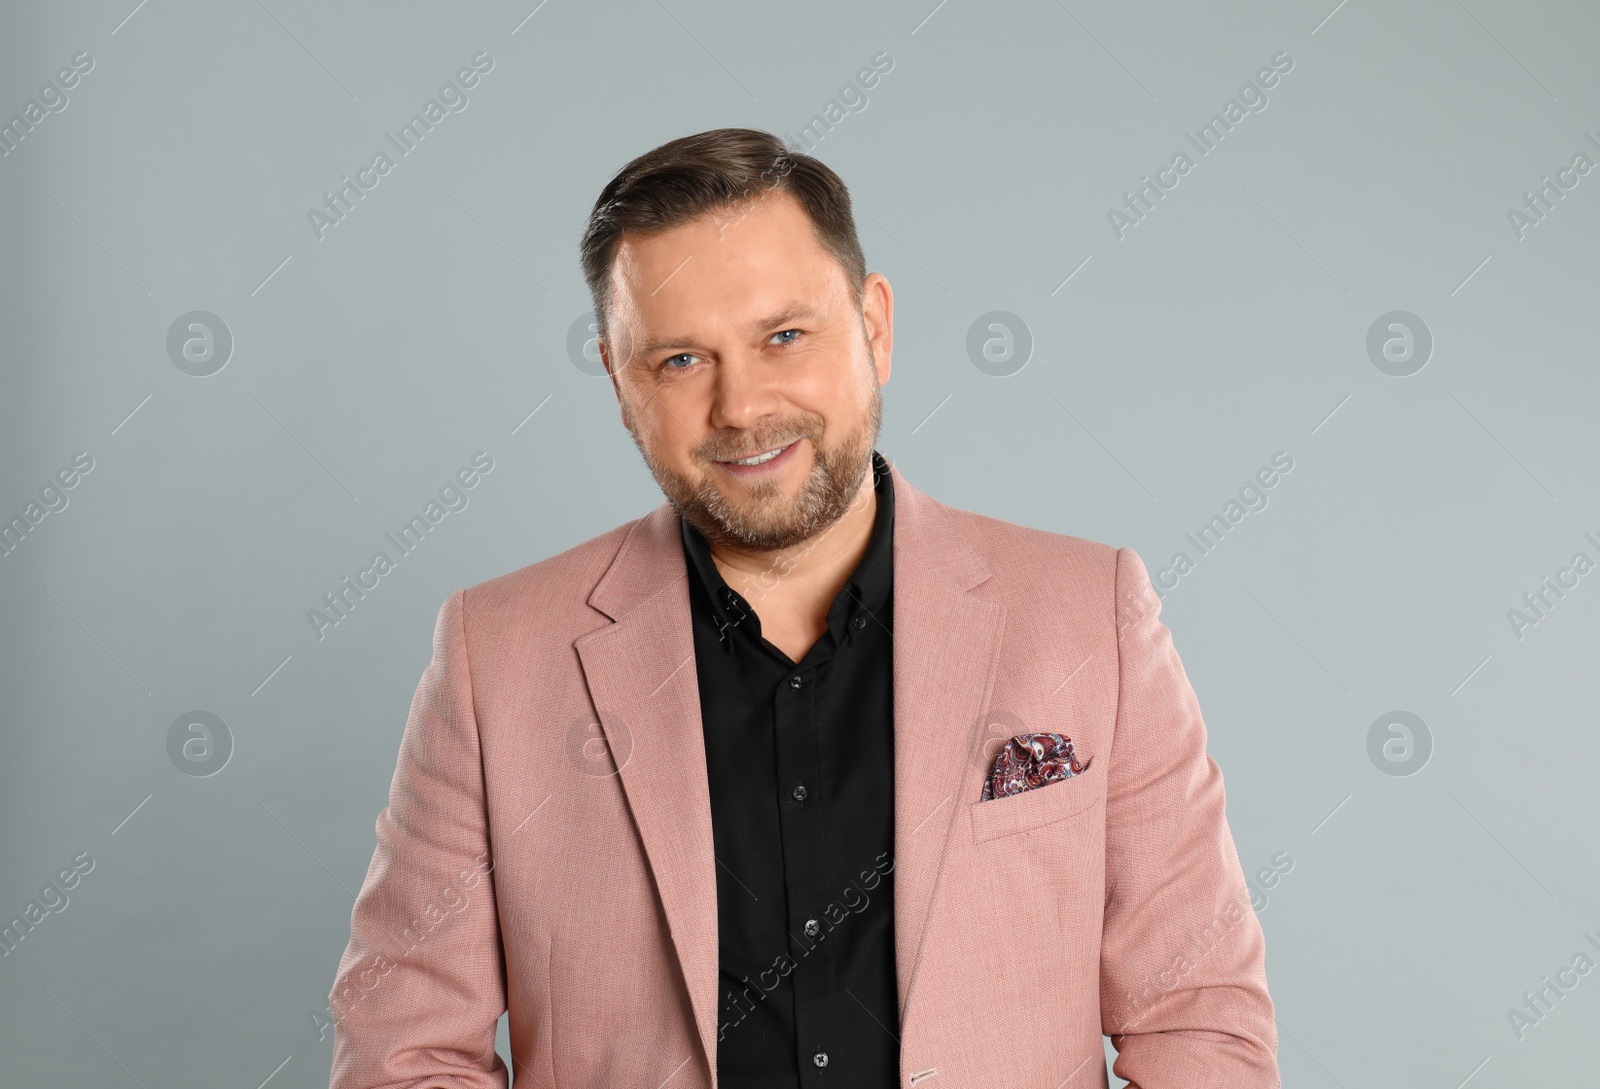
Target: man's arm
1183, 988
421, 985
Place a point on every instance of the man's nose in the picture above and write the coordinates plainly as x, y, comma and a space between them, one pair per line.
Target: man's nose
744, 389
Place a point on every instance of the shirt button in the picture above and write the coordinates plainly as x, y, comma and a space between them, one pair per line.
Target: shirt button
820, 1058
795, 682
861, 622
799, 793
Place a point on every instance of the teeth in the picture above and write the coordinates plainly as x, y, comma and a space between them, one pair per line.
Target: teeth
761, 459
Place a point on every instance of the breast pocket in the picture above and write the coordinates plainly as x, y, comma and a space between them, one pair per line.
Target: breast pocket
1035, 808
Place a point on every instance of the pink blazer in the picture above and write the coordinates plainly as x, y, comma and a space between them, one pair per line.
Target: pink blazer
531, 861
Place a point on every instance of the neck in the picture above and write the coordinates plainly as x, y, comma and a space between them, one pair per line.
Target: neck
808, 576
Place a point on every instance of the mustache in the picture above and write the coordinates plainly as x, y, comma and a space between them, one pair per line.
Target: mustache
757, 444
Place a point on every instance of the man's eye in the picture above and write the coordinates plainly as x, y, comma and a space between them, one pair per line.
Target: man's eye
785, 333
667, 363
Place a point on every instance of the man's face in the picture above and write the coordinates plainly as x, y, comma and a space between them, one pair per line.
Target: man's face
738, 334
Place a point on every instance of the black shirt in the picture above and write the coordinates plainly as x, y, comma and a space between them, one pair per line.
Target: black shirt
800, 761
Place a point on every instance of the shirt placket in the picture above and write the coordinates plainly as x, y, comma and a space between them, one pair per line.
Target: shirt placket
802, 824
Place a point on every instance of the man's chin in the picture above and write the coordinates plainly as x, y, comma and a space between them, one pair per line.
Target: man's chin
768, 530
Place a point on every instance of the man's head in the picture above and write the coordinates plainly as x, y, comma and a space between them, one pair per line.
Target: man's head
736, 317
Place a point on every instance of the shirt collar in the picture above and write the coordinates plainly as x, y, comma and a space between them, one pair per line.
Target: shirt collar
865, 592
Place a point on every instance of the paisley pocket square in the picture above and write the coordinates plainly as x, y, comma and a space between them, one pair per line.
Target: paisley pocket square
1028, 761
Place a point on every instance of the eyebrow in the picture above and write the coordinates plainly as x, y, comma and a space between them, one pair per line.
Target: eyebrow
791, 313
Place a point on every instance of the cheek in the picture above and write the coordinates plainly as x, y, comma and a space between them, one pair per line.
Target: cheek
851, 383
664, 422
832, 374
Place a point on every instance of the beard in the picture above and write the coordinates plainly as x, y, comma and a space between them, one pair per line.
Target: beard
763, 519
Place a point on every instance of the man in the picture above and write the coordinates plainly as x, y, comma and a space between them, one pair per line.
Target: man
803, 778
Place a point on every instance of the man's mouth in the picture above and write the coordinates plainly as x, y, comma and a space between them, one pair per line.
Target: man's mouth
758, 459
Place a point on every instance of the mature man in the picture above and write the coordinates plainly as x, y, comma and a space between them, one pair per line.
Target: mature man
803, 778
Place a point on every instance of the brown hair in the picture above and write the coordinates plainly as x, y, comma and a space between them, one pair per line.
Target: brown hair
691, 176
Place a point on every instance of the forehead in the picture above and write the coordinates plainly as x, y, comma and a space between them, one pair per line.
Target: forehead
733, 261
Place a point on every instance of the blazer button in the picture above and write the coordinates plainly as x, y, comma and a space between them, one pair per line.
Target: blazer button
813, 928
799, 793
820, 1058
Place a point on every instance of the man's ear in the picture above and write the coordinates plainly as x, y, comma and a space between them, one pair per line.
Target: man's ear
877, 315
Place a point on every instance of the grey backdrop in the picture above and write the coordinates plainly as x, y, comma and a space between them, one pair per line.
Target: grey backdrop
1420, 762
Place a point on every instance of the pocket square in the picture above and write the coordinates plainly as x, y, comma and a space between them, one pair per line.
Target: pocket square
1028, 761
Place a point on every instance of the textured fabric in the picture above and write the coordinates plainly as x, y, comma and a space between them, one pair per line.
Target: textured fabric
547, 846
1028, 761
804, 893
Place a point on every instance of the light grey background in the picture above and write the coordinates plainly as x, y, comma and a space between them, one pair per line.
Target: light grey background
1167, 367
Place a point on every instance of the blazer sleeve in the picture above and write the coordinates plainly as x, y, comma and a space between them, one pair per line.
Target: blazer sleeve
1183, 987
421, 985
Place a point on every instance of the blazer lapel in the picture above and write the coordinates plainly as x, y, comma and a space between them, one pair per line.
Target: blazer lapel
946, 642
641, 676
642, 681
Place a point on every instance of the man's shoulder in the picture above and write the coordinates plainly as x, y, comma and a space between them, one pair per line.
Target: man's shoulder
1021, 553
